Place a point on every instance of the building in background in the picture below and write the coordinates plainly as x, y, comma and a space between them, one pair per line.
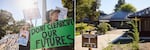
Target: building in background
144, 21
116, 19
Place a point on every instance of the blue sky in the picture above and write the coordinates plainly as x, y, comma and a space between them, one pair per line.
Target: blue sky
107, 6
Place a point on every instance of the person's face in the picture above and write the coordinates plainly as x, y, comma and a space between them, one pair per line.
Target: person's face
54, 16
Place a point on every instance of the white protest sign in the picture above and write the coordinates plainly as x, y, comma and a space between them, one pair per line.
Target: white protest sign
23, 38
63, 13
31, 13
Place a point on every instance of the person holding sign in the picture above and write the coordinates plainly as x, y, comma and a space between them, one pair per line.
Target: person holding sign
52, 16
24, 38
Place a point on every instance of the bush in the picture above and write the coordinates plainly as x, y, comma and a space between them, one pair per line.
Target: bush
135, 43
81, 27
104, 27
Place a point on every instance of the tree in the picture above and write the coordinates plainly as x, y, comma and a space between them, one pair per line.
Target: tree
69, 4
98, 3
128, 8
6, 21
122, 6
93, 14
120, 3
86, 8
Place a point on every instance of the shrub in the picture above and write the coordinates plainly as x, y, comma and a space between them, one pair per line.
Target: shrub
135, 43
81, 27
103, 27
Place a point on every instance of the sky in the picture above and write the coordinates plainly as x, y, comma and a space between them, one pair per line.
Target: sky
108, 5
16, 8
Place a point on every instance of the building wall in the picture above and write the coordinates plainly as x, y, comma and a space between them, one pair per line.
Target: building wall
145, 27
119, 24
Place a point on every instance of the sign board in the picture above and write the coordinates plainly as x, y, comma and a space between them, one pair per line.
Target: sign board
31, 13
60, 33
89, 40
63, 13
23, 38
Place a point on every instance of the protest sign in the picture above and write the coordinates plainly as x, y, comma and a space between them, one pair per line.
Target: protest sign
31, 13
63, 13
23, 38
57, 34
32, 10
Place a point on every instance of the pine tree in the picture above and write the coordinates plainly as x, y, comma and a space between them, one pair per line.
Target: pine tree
120, 3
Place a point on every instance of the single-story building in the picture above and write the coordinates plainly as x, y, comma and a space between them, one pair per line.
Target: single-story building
144, 21
87, 20
116, 19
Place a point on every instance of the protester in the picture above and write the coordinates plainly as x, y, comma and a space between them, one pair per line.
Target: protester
52, 16
23, 31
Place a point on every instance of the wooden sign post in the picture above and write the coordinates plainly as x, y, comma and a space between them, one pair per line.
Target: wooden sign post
89, 40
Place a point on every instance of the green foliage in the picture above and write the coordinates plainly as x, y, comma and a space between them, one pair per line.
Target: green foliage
6, 21
128, 8
122, 6
135, 43
81, 27
77, 33
109, 47
88, 28
120, 3
68, 4
86, 8
103, 27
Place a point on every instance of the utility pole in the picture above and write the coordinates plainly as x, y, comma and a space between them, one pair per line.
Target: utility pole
44, 11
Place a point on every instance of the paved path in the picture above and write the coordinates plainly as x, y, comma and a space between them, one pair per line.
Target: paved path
103, 40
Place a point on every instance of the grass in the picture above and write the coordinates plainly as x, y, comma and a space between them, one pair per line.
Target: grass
109, 47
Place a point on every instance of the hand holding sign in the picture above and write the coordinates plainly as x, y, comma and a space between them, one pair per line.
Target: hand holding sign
23, 38
59, 33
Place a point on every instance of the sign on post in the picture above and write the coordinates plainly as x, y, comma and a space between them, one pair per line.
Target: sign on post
60, 33
89, 40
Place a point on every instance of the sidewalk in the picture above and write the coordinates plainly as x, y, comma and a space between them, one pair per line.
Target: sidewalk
103, 40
